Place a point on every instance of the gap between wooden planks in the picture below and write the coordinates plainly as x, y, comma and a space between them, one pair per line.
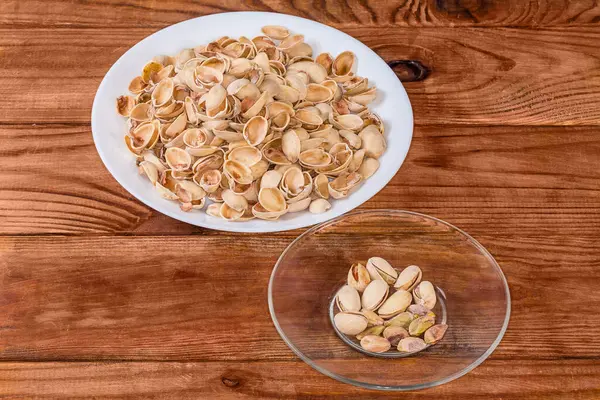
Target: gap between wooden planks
539, 380
418, 13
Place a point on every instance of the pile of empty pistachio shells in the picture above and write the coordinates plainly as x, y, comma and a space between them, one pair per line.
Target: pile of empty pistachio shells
386, 309
258, 126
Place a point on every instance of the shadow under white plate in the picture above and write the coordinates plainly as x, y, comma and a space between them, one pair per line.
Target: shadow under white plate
108, 128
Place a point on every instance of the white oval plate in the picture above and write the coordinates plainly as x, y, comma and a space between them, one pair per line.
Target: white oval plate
108, 128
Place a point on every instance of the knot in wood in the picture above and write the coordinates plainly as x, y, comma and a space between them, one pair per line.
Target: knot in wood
409, 70
230, 382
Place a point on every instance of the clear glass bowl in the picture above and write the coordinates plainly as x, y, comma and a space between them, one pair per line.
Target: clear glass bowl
315, 265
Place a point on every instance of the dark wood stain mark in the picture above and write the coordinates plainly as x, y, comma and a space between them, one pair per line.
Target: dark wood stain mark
409, 70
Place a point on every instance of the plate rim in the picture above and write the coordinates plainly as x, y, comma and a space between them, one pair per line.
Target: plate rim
229, 226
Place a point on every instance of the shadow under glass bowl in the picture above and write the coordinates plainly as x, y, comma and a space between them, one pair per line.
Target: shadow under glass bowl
315, 265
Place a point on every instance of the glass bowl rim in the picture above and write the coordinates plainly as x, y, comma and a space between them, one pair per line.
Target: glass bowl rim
364, 385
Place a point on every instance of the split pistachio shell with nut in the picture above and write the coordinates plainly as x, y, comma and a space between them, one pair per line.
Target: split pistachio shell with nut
262, 126
386, 309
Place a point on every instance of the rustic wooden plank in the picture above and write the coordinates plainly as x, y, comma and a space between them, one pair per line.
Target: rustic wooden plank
478, 76
204, 298
484, 179
127, 13
508, 380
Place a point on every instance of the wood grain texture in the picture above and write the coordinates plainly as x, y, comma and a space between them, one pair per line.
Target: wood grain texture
199, 298
483, 179
572, 379
102, 297
428, 13
492, 76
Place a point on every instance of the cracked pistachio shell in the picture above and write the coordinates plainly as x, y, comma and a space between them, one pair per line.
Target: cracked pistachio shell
374, 295
411, 345
374, 330
376, 344
348, 299
424, 294
435, 333
403, 320
372, 318
394, 334
395, 304
350, 323
381, 269
420, 325
409, 278
358, 277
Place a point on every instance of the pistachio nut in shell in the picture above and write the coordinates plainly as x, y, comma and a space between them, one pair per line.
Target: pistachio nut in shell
424, 294
348, 299
375, 344
403, 320
435, 333
395, 334
409, 278
350, 323
372, 318
395, 304
420, 325
358, 277
374, 330
418, 309
374, 295
379, 268
411, 345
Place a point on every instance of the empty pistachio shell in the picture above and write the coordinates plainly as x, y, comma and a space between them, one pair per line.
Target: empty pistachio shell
381, 269
374, 330
290, 144
372, 318
411, 345
368, 167
409, 278
376, 344
358, 277
424, 294
300, 205
403, 320
373, 142
374, 295
350, 323
272, 199
420, 325
348, 299
234, 201
435, 333
270, 179
319, 206
239, 172
214, 210
275, 32
395, 334
418, 309
395, 304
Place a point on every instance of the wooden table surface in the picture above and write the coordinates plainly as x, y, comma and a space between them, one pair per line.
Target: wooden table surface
102, 297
